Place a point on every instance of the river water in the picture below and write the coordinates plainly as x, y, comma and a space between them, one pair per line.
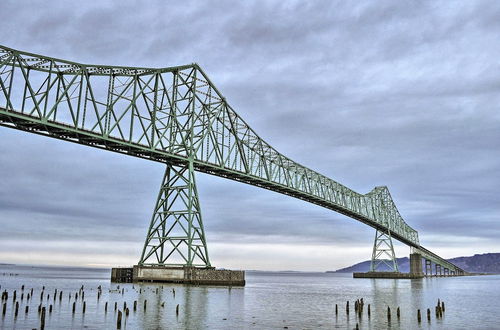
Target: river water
270, 300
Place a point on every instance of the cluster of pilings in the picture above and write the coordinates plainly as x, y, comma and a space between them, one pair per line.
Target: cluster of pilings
15, 300
359, 308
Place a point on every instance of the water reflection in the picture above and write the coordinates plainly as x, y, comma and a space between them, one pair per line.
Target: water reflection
270, 300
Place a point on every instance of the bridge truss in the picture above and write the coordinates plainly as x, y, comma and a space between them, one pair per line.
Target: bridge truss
176, 116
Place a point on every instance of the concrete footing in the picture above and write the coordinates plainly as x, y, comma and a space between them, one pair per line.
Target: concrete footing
387, 275
187, 275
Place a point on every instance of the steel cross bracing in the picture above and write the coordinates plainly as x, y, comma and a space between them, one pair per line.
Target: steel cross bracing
383, 253
176, 235
173, 115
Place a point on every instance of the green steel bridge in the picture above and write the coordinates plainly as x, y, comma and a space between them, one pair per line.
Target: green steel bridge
176, 116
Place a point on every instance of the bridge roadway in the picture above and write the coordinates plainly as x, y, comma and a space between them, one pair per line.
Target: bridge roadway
136, 111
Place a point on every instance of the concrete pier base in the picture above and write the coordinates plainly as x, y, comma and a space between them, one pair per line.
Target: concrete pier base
186, 275
393, 275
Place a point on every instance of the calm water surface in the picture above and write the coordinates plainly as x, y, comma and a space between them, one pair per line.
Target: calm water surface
269, 301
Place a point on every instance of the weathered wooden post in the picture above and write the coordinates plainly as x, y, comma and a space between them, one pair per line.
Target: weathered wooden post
119, 320
42, 319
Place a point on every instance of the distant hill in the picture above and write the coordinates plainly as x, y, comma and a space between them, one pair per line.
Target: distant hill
478, 263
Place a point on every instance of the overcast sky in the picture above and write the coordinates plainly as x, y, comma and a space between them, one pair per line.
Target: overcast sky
398, 93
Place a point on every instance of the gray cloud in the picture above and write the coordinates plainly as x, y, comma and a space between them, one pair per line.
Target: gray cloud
396, 93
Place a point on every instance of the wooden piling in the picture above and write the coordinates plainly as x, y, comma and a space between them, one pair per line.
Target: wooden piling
388, 313
116, 305
145, 302
126, 312
428, 314
135, 305
17, 309
26, 310
398, 314
84, 306
347, 308
4, 308
42, 319
177, 310
336, 309
419, 316
50, 309
442, 305
74, 307
369, 311
106, 307
119, 320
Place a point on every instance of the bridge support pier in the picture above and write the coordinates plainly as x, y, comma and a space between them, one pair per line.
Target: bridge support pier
383, 253
416, 265
176, 236
428, 267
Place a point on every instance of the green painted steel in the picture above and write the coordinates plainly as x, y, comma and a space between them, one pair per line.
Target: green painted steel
176, 235
172, 115
383, 253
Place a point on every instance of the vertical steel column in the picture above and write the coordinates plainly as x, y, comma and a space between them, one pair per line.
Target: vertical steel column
382, 249
176, 236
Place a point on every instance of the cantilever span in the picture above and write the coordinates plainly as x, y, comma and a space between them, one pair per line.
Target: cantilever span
176, 116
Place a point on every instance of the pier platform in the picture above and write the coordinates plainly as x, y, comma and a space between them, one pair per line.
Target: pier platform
393, 275
186, 275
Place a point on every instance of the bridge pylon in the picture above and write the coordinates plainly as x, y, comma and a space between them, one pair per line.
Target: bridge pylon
383, 252
176, 236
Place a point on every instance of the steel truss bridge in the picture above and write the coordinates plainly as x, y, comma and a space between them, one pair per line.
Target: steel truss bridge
176, 116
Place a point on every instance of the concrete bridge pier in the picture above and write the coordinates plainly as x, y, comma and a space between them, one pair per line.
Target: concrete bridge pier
428, 267
439, 270
416, 265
